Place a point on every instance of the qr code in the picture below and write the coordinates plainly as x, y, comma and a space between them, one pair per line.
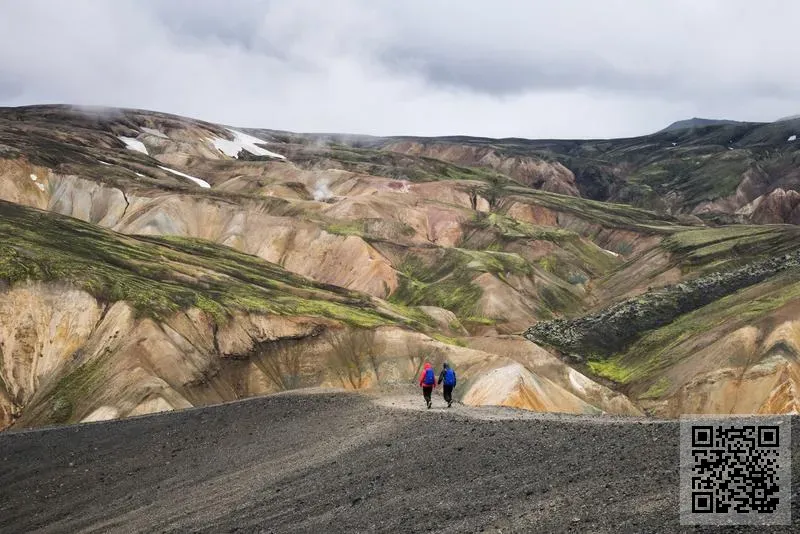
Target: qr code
736, 470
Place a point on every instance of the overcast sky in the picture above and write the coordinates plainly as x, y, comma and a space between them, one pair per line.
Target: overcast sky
500, 68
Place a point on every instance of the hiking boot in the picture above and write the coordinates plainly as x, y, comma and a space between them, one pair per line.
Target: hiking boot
429, 405
450, 403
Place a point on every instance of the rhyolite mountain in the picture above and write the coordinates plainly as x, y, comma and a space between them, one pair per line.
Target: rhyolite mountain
150, 262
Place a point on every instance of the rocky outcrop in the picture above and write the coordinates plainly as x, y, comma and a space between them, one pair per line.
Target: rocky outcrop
777, 207
614, 328
67, 358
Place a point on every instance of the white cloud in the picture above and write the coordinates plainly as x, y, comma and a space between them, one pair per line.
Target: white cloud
503, 68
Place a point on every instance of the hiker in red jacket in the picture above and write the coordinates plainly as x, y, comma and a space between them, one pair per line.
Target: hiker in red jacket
427, 381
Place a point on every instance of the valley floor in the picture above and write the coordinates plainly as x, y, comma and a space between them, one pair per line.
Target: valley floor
339, 462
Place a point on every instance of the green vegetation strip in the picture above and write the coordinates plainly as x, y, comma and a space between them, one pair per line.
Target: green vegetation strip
613, 329
658, 349
446, 281
159, 276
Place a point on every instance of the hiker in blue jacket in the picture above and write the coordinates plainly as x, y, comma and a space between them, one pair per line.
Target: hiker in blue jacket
448, 376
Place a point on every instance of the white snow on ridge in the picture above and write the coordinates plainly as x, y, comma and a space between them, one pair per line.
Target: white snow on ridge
611, 252
157, 133
134, 144
792, 138
242, 141
38, 184
198, 181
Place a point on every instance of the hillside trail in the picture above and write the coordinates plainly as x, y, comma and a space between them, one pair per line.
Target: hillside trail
412, 401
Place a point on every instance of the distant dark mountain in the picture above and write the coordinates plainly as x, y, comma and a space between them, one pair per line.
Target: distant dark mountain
696, 122
788, 118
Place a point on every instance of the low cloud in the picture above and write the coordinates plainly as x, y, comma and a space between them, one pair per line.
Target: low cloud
574, 68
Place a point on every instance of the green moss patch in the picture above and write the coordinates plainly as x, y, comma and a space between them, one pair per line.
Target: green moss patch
159, 276
508, 227
445, 279
731, 245
617, 327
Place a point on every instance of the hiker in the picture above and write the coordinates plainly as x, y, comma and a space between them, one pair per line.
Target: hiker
427, 381
448, 376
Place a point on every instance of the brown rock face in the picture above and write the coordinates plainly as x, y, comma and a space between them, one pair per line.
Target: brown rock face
533, 172
537, 215
40, 329
777, 207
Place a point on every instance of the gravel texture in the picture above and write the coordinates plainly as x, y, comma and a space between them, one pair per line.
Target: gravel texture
337, 462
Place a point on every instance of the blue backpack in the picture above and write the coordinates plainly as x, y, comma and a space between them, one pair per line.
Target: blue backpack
449, 377
430, 377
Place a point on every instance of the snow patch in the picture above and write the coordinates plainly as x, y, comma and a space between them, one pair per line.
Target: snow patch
40, 185
198, 181
242, 141
792, 138
138, 174
616, 255
674, 144
157, 133
133, 144
578, 381
104, 162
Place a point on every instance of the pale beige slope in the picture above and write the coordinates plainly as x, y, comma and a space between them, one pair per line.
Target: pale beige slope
41, 328
738, 354
538, 361
750, 370
505, 371
514, 386
295, 234
67, 358
302, 247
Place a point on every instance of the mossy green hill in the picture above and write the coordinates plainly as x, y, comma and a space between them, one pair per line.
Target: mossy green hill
159, 276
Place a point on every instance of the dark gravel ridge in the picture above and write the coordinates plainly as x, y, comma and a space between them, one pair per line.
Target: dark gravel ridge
334, 462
